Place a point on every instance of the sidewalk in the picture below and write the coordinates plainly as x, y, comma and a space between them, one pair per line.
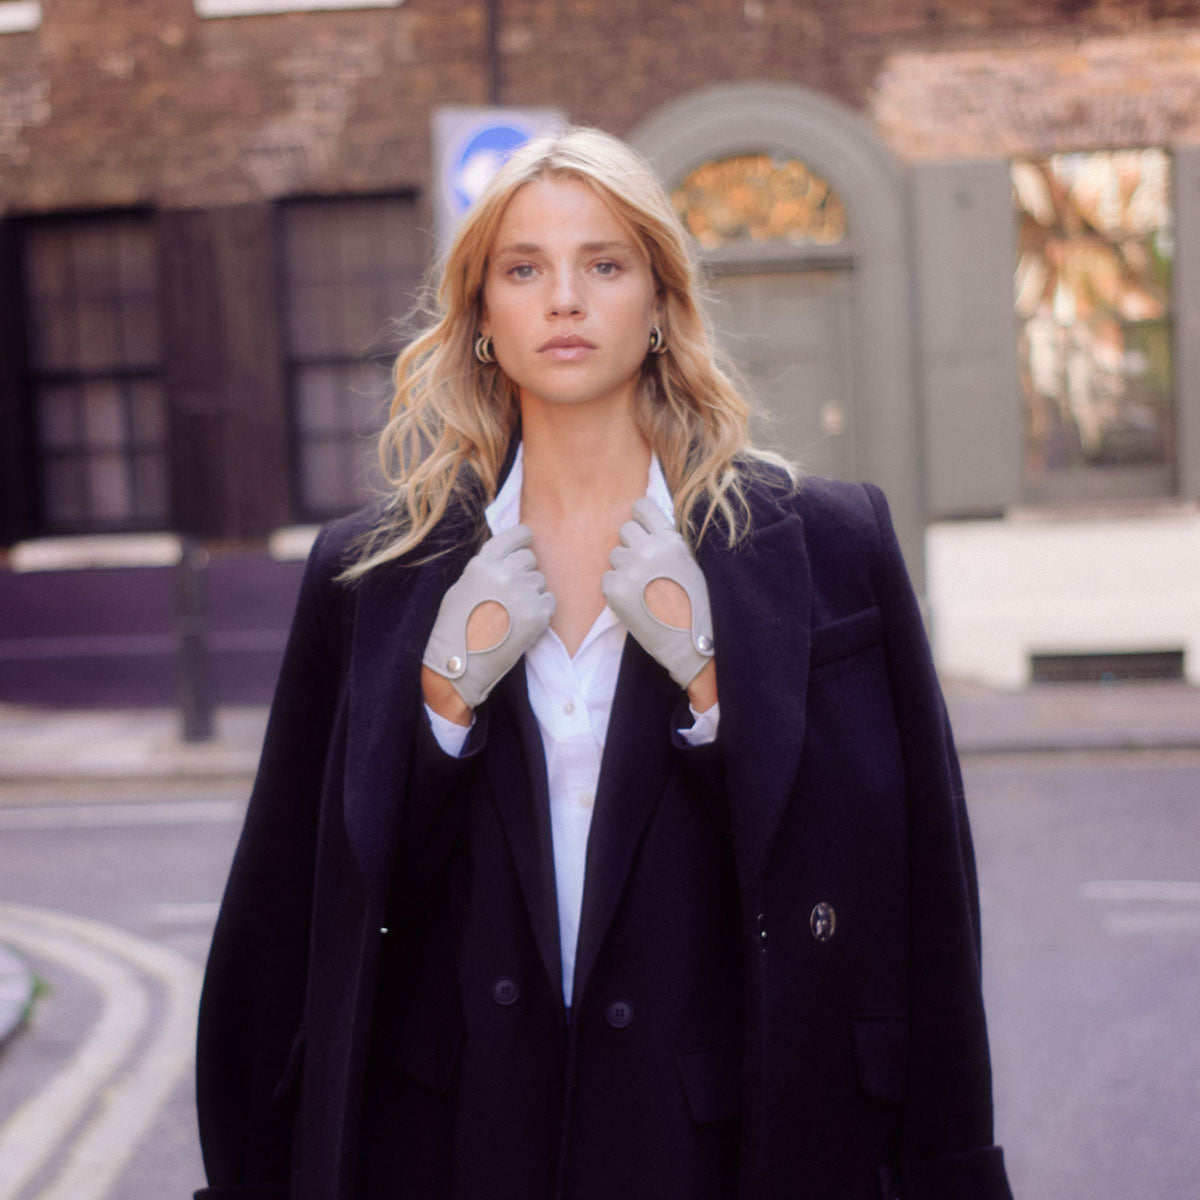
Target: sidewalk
108, 745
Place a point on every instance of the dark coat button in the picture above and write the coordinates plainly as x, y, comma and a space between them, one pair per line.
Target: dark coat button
620, 1013
822, 921
505, 991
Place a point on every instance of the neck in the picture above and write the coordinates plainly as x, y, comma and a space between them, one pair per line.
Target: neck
580, 461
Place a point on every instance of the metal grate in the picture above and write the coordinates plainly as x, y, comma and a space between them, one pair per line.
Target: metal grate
1107, 668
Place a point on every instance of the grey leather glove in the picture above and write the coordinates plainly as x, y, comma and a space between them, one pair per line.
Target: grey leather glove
650, 549
505, 571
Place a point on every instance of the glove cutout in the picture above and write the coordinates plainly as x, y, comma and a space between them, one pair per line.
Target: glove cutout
651, 548
505, 572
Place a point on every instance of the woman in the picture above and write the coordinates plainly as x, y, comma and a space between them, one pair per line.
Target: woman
526, 907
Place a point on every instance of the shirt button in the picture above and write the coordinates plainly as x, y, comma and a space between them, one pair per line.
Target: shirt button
569, 707
586, 800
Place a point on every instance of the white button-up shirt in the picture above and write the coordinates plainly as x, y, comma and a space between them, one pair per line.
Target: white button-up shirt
571, 699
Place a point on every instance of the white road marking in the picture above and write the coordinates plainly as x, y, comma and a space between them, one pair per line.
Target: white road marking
35, 1130
179, 812
1125, 890
126, 1096
1121, 923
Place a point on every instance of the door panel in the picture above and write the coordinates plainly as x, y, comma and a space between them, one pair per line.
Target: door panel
789, 335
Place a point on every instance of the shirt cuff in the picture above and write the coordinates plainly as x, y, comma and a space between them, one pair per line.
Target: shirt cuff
704, 726
451, 737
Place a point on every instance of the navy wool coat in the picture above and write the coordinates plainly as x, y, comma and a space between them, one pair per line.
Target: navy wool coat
777, 989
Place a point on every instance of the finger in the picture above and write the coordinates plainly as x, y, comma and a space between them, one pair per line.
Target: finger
537, 580
620, 557
522, 559
650, 516
507, 541
632, 532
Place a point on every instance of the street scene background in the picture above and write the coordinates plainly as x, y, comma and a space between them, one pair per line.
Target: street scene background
952, 248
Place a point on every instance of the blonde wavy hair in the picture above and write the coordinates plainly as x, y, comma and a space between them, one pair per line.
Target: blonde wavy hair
452, 418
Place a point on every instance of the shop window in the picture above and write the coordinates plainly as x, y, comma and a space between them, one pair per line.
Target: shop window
758, 198
94, 355
246, 8
351, 269
1093, 305
19, 16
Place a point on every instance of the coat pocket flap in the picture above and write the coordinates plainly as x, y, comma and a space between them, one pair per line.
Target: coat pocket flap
428, 1047
846, 636
881, 1048
712, 1082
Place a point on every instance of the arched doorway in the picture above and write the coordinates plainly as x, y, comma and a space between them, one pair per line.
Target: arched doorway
816, 315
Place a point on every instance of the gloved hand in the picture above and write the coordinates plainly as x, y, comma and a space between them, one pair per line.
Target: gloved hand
651, 549
504, 571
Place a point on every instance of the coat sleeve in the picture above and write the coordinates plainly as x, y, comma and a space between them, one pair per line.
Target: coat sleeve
947, 1148
250, 1035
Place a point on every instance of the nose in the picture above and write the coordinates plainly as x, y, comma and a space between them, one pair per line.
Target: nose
566, 297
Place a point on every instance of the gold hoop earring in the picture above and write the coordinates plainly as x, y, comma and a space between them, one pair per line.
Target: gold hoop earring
485, 349
658, 341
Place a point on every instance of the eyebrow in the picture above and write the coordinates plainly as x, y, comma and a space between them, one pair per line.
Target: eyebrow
586, 247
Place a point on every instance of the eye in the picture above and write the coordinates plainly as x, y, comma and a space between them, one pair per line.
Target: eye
521, 271
607, 267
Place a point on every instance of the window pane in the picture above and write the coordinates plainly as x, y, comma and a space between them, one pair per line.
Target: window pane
58, 417
148, 412
757, 198
111, 490
351, 269
139, 332
322, 479
53, 336
150, 479
319, 397
90, 287
1092, 295
104, 415
63, 493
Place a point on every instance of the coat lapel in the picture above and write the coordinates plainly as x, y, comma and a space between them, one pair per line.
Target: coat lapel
516, 766
634, 769
761, 599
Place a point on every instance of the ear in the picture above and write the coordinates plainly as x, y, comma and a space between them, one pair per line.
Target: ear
484, 324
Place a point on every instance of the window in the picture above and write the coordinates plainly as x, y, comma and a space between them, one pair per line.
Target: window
757, 198
91, 300
19, 16
351, 269
1093, 306
245, 8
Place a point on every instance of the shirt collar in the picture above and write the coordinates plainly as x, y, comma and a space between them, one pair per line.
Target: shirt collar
505, 511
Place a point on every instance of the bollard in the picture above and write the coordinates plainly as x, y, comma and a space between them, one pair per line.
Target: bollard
195, 685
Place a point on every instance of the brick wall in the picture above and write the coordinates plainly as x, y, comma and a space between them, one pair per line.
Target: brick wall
143, 102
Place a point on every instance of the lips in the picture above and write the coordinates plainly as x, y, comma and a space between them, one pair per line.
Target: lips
566, 349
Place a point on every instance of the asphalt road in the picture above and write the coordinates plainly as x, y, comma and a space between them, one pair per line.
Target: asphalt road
1091, 898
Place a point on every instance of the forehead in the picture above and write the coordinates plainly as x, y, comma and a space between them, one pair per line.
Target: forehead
561, 209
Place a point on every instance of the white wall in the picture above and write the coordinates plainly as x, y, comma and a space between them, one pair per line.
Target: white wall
1001, 590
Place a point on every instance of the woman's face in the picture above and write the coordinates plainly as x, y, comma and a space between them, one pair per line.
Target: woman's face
569, 297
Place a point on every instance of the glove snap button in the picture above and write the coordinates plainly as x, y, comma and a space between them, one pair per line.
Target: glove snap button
704, 644
454, 664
